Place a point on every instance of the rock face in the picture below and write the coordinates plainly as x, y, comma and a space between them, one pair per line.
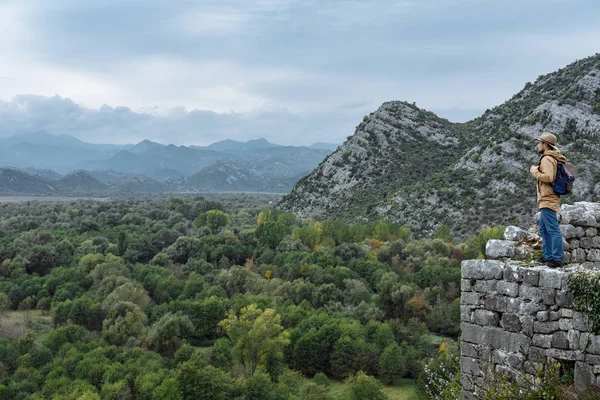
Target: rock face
409, 166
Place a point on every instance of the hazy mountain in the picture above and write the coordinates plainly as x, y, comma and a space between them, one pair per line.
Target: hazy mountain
410, 166
81, 182
144, 146
13, 181
107, 175
136, 184
232, 145
64, 141
232, 176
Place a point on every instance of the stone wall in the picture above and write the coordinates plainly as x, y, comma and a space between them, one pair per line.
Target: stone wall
516, 315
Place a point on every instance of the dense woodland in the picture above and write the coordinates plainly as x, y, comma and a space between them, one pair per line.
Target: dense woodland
195, 298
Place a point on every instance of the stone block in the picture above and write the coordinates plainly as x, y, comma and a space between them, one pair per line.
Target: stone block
586, 243
510, 289
574, 338
532, 293
496, 303
596, 242
578, 256
514, 233
589, 232
537, 354
496, 249
511, 322
512, 273
570, 231
485, 286
566, 312
470, 298
565, 324
569, 355
560, 340
513, 360
584, 378
513, 305
594, 345
542, 316
543, 341
468, 350
466, 312
584, 340
521, 252
465, 285
551, 278
486, 318
593, 255
527, 325
554, 315
580, 322
549, 296
495, 338
531, 276
531, 308
564, 298
469, 365
573, 244
471, 333
545, 327
592, 359
481, 269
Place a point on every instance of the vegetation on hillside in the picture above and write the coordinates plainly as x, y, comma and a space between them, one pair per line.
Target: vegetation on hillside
193, 298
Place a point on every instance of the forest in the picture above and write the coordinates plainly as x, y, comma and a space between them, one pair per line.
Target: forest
223, 298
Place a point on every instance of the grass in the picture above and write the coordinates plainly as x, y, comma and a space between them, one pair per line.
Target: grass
404, 390
15, 325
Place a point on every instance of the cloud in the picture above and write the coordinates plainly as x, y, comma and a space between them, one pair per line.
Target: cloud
282, 69
107, 124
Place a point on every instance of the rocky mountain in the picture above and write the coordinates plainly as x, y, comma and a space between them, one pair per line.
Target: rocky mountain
81, 182
233, 145
14, 181
410, 166
232, 176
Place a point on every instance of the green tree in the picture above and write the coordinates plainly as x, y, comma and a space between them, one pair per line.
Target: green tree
169, 332
203, 382
254, 334
213, 219
362, 386
125, 324
122, 243
392, 364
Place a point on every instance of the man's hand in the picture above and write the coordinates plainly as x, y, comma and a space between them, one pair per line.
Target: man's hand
533, 168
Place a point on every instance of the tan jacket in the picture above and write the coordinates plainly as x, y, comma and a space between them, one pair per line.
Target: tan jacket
545, 175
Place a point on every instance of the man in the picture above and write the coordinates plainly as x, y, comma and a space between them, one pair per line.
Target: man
548, 201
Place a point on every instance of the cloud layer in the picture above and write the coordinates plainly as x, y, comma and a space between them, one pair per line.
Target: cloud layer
291, 71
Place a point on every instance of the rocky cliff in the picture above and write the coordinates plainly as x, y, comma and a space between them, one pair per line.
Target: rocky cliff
410, 166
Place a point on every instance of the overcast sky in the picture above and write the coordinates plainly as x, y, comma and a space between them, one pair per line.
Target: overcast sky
293, 72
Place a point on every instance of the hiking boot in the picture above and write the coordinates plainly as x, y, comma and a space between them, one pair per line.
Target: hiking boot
541, 260
554, 264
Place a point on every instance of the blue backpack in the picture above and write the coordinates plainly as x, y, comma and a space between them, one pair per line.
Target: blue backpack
563, 183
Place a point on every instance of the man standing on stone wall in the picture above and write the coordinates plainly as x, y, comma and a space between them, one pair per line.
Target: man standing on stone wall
548, 201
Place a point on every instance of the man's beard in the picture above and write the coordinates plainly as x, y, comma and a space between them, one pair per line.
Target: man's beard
541, 151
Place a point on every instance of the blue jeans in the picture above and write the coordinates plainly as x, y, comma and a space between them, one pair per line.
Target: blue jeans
552, 244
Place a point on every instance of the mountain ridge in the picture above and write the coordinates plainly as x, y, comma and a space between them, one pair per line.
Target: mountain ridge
485, 182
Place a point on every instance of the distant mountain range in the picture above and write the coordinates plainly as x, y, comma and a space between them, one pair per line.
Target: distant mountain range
41, 163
